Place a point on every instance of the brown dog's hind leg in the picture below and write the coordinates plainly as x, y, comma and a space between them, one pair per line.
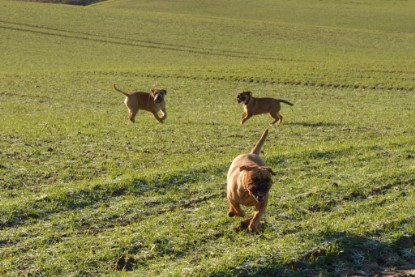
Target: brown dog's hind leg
131, 115
277, 117
132, 106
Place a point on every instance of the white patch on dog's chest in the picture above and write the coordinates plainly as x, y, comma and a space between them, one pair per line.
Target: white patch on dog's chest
245, 108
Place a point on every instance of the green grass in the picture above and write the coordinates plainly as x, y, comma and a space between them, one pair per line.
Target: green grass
86, 192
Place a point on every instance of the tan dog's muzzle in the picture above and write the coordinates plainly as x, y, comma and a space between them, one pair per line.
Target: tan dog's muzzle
259, 190
241, 98
158, 98
258, 182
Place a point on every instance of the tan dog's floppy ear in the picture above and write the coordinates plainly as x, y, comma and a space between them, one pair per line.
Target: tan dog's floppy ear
246, 167
153, 92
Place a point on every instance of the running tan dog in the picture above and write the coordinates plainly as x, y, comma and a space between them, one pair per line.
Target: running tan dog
255, 106
248, 184
152, 102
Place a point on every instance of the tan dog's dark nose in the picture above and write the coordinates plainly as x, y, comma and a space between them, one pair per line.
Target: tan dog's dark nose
260, 197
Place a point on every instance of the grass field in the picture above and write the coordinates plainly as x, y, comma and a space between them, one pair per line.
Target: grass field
84, 192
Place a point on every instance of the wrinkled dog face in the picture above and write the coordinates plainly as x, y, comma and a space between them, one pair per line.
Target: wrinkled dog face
258, 182
243, 97
158, 95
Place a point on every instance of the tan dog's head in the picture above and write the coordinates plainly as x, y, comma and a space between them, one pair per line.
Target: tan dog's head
258, 181
158, 95
243, 97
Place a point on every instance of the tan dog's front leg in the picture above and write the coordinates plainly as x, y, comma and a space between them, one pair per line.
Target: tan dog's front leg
160, 119
245, 117
254, 223
245, 223
164, 114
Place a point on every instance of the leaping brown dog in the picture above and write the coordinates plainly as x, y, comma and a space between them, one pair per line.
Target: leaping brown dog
256, 105
153, 102
248, 183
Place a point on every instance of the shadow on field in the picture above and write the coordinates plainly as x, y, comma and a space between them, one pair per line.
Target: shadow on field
345, 254
69, 2
314, 124
44, 207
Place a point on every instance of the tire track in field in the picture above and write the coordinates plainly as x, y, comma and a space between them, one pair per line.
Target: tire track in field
20, 27
134, 40
281, 81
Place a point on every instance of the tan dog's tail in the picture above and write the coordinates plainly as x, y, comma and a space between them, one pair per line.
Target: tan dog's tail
286, 102
117, 89
260, 143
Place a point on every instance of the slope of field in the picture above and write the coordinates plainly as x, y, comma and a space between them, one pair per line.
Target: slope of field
86, 192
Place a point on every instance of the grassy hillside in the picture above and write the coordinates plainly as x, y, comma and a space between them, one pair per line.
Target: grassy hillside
86, 192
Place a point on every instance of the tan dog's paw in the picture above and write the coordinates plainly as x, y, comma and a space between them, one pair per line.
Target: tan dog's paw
250, 224
253, 227
245, 223
232, 213
160, 114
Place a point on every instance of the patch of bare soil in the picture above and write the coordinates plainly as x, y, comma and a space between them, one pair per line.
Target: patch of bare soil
68, 2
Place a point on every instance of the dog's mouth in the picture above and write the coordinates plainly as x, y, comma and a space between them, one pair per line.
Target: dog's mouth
259, 194
259, 189
260, 198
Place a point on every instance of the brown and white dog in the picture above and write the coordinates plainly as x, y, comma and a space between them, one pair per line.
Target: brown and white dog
256, 105
153, 102
248, 183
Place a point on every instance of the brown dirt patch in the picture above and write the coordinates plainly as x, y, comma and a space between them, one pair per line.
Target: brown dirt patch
68, 2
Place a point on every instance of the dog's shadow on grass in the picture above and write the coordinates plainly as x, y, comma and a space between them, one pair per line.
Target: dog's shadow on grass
313, 124
343, 254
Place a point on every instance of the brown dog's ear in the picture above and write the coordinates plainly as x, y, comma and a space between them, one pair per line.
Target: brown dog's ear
248, 92
154, 90
269, 170
247, 168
